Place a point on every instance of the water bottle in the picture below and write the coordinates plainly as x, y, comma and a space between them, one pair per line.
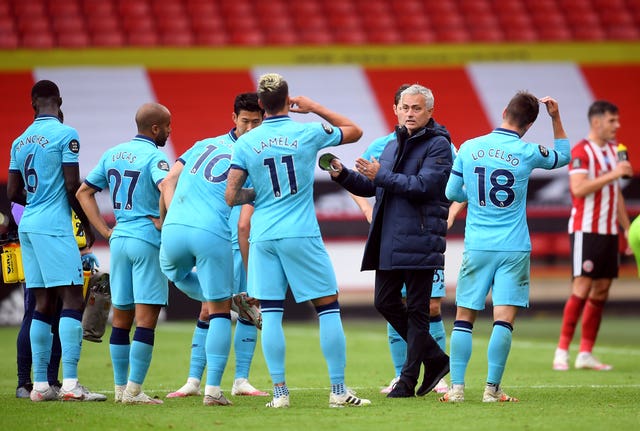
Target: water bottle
623, 156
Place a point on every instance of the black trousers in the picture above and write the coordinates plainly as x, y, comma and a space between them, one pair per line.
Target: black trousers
410, 320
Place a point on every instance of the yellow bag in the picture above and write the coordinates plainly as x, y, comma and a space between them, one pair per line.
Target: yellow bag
12, 270
78, 230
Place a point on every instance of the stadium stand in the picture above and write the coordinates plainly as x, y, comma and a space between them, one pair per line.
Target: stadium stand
45, 24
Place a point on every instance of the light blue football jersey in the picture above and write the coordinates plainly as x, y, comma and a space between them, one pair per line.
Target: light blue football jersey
198, 200
376, 147
280, 158
492, 173
132, 171
38, 155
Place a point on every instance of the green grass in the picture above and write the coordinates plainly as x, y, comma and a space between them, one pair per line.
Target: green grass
574, 400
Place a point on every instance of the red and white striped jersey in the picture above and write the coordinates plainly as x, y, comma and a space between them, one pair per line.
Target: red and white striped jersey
596, 212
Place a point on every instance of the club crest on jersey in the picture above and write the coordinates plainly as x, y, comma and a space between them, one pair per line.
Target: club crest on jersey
543, 150
328, 128
74, 146
163, 166
576, 163
587, 266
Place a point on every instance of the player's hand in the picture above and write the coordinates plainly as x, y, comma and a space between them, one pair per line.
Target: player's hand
551, 104
623, 169
156, 222
302, 105
90, 261
368, 168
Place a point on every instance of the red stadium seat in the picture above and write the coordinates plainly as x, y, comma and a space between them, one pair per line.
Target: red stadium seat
623, 32
247, 36
38, 40
134, 8
76, 39
453, 35
176, 38
32, 8
419, 36
592, 33
522, 34
110, 39
98, 8
9, 40
316, 37
554, 34
211, 38
282, 38
63, 7
383, 36
207, 23
143, 38
486, 34
353, 36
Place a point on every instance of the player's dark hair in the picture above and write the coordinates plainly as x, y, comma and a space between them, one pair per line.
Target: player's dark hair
396, 97
600, 107
247, 102
44, 88
273, 91
523, 109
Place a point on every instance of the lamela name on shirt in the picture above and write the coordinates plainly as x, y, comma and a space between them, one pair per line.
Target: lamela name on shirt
278, 141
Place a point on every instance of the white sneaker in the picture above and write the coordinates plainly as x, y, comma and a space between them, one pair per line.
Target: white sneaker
277, 403
79, 393
347, 400
494, 394
391, 385
216, 400
48, 394
561, 360
243, 387
140, 398
586, 361
442, 387
189, 389
117, 392
454, 395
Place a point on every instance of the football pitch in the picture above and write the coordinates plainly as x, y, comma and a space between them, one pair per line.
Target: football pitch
549, 400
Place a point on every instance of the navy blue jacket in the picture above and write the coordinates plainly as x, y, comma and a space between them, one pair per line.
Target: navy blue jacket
409, 221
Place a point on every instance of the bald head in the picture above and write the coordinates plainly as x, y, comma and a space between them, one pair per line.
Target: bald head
154, 120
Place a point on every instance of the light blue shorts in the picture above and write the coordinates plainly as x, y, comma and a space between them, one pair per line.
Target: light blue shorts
239, 273
50, 260
438, 288
184, 247
135, 276
504, 273
301, 263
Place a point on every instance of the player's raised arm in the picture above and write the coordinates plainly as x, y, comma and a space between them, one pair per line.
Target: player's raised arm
351, 132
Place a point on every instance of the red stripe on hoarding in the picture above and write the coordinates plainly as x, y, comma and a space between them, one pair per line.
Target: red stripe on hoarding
457, 105
16, 112
201, 102
620, 85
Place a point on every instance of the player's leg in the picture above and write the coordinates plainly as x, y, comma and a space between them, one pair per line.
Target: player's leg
23, 345
56, 350
591, 319
214, 263
436, 324
311, 277
150, 293
244, 338
198, 359
177, 259
510, 292
267, 282
471, 293
123, 314
398, 350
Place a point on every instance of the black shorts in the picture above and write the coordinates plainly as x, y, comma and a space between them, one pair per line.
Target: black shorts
594, 255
